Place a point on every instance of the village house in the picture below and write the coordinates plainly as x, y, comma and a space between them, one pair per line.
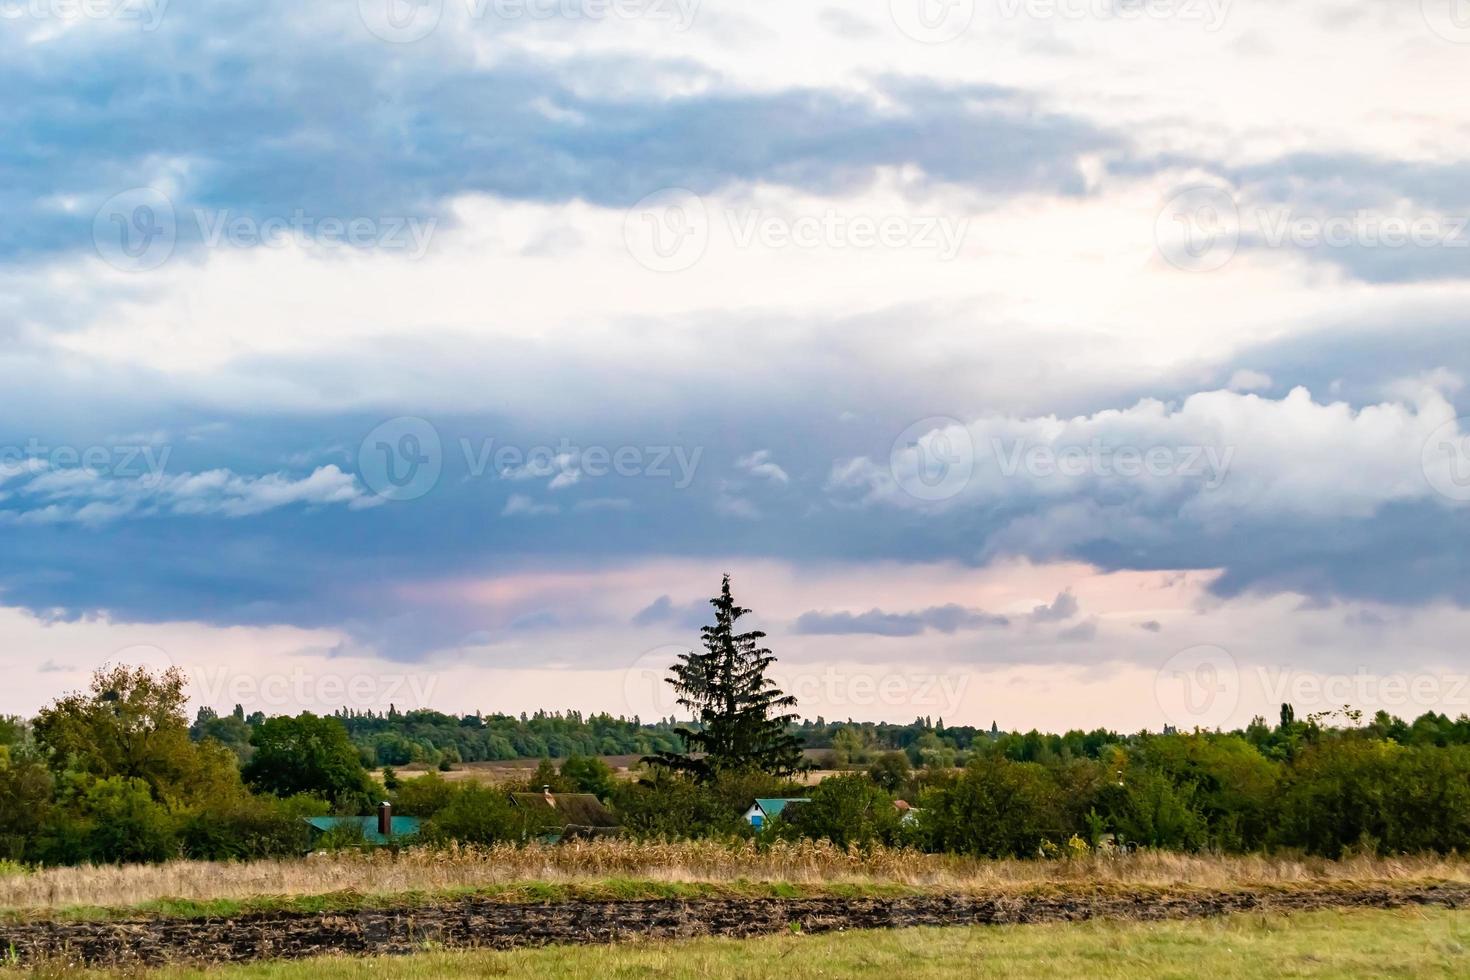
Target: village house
764, 810
568, 816
376, 831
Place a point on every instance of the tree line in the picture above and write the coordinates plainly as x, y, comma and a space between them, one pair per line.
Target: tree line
116, 773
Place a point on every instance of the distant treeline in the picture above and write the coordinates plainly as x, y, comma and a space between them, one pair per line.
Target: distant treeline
425, 737
401, 738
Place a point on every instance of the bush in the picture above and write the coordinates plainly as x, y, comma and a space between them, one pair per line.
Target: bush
478, 814
846, 810
250, 828
588, 774
424, 796
1352, 792
123, 823
996, 808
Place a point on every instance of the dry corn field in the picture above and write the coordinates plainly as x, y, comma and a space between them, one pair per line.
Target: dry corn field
805, 863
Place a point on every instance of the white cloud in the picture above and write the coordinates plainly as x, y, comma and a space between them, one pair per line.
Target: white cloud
1248, 380
1216, 456
760, 464
520, 505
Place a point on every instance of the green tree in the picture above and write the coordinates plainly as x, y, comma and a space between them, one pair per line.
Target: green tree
995, 808
847, 810
26, 797
890, 771
588, 774
477, 814
308, 754
741, 715
126, 823
131, 724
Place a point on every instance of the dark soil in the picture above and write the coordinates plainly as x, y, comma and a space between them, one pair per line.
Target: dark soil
486, 924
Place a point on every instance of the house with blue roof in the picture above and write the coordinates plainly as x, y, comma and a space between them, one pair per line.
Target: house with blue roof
376, 831
762, 811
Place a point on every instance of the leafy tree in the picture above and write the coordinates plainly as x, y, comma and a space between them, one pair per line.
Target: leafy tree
996, 808
125, 822
890, 771
308, 754
741, 715
477, 814
26, 795
424, 796
546, 776
851, 746
847, 810
131, 724
588, 774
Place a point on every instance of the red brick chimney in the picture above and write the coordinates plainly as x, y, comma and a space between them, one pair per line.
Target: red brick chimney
385, 819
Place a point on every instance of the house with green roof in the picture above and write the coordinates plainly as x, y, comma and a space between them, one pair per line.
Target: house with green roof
763, 810
376, 831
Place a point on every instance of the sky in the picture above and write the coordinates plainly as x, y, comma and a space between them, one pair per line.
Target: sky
1057, 363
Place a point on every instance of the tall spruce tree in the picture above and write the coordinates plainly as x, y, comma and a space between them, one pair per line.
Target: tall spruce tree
741, 715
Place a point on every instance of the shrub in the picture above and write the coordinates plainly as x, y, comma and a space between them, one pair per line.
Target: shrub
846, 810
478, 814
996, 808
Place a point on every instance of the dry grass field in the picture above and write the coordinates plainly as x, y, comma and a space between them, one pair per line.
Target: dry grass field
623, 767
806, 863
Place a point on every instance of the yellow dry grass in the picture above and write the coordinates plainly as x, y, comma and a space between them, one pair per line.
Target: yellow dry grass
810, 863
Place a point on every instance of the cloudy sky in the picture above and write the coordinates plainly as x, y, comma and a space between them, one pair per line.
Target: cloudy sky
1058, 362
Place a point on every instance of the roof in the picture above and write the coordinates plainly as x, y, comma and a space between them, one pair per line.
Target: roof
567, 809
402, 826
773, 808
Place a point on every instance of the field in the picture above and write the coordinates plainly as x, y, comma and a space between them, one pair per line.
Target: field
1415, 943
642, 894
624, 767
588, 864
